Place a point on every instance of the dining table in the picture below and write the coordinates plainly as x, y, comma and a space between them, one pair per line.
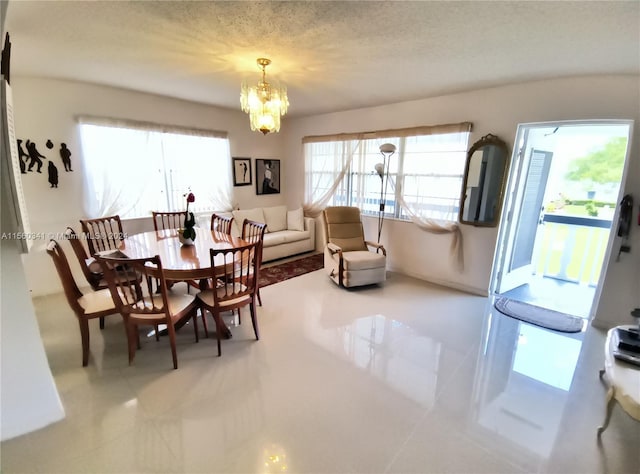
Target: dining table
181, 262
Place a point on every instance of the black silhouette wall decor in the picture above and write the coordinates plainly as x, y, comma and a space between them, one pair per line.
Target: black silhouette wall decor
65, 154
23, 157
35, 156
53, 175
32, 158
241, 171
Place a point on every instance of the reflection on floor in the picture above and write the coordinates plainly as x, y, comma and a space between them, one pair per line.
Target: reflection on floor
407, 377
559, 295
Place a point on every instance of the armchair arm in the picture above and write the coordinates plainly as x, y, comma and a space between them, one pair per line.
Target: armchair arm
376, 246
333, 248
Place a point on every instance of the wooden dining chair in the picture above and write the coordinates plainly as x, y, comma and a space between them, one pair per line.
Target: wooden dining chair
253, 231
167, 220
221, 223
171, 220
89, 305
237, 269
104, 233
141, 304
91, 269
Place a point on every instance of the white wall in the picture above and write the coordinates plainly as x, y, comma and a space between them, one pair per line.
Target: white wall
46, 109
29, 399
497, 110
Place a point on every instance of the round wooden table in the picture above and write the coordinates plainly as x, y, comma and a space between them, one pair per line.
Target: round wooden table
180, 262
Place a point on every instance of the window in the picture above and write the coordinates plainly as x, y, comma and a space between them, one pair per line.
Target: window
425, 173
132, 169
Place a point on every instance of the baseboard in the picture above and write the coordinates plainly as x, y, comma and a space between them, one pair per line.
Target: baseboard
448, 284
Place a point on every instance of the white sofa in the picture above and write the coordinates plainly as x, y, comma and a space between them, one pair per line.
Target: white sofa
288, 232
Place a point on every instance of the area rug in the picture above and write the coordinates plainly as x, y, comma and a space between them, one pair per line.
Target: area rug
543, 317
294, 268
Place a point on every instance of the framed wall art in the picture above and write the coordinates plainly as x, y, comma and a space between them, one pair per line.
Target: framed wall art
267, 176
242, 171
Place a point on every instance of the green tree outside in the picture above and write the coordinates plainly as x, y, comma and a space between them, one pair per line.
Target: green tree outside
600, 166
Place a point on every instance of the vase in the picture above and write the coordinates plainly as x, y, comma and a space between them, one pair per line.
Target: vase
184, 241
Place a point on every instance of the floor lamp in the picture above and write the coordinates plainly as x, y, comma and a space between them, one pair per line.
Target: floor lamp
386, 150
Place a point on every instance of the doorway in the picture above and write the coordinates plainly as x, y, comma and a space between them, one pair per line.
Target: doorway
556, 234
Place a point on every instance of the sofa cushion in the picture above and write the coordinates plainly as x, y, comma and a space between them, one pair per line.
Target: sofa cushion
363, 260
274, 238
294, 235
295, 220
240, 215
275, 218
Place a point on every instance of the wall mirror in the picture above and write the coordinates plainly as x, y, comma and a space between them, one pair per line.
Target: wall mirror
484, 180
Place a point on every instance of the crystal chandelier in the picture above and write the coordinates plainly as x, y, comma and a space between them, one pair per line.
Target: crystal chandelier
264, 102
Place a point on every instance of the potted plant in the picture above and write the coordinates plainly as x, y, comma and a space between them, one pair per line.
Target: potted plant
188, 233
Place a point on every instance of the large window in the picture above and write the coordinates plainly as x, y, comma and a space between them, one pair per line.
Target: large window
132, 169
425, 173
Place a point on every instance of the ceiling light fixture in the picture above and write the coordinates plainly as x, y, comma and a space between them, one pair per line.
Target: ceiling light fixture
264, 102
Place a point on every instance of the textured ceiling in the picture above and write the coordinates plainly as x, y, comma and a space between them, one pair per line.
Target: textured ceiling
331, 55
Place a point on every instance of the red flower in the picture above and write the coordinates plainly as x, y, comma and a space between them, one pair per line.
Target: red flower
190, 198
189, 220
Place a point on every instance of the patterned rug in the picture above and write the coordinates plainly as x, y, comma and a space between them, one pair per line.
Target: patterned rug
294, 268
543, 317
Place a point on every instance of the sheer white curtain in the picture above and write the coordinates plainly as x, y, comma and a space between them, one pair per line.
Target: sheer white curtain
424, 178
117, 172
133, 168
447, 162
202, 164
326, 164
433, 226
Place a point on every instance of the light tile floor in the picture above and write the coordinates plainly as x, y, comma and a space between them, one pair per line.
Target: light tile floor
407, 377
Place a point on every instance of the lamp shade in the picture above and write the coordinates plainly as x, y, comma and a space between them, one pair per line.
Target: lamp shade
379, 167
387, 148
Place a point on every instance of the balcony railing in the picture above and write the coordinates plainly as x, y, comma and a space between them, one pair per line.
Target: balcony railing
571, 248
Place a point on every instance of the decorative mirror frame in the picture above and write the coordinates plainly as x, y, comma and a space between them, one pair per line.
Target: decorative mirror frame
487, 140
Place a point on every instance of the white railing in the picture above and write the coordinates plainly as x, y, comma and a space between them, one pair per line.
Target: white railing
571, 248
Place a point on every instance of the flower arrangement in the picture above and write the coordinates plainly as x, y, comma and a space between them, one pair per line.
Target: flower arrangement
188, 232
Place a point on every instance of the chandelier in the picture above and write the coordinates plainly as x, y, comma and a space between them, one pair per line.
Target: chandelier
264, 102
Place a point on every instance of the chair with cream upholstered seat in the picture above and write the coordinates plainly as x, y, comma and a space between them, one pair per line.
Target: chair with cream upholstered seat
91, 269
86, 306
253, 231
347, 258
236, 270
103, 233
140, 304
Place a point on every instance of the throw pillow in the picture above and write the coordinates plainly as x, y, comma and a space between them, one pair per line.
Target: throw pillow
276, 218
252, 214
295, 220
